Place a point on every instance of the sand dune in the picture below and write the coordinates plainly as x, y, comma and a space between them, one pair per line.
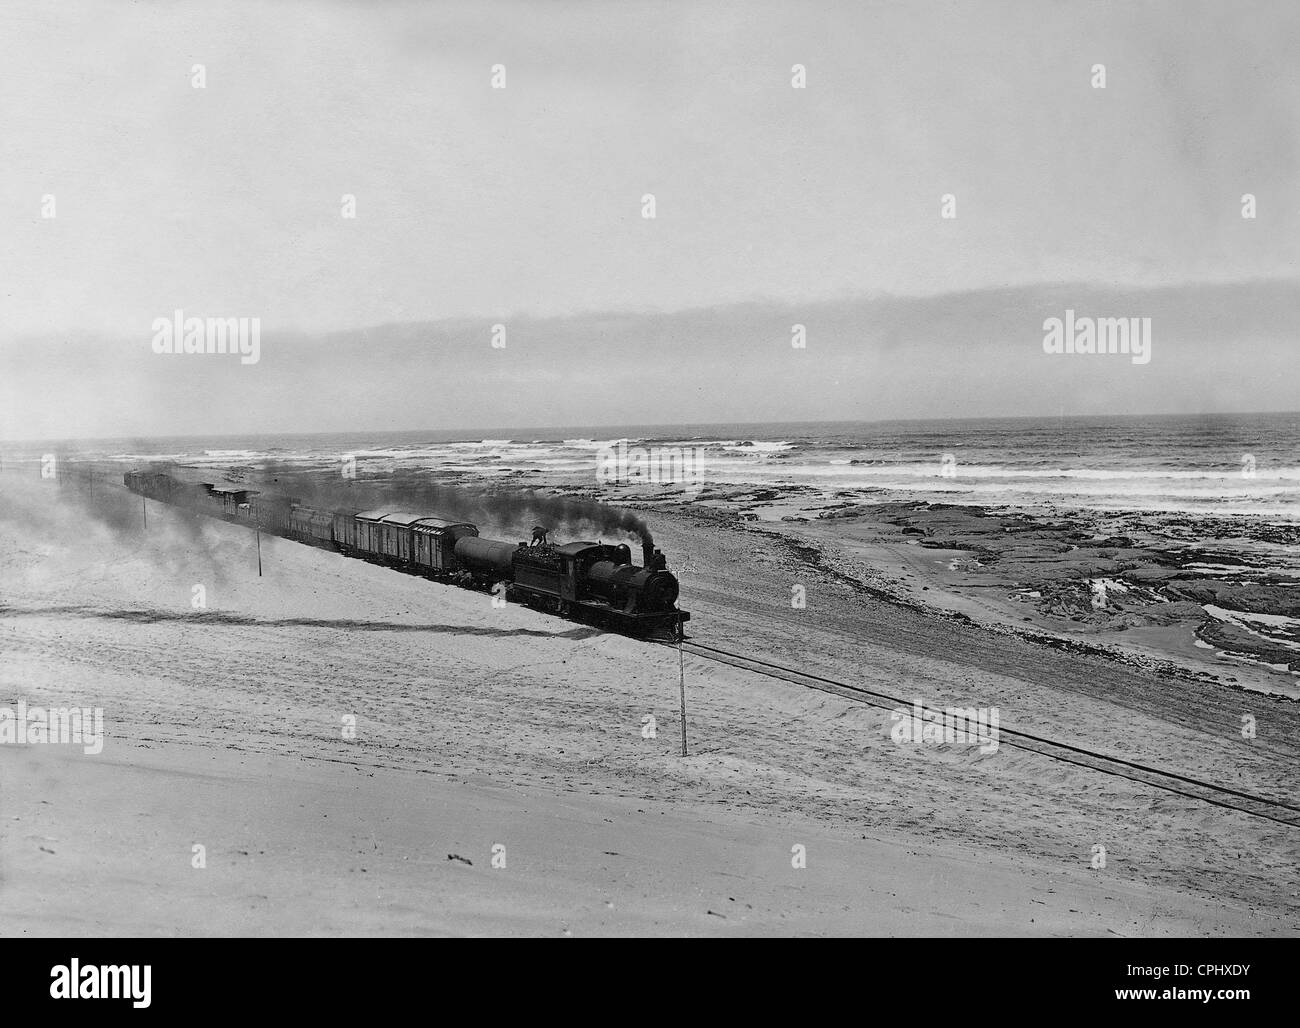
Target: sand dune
477, 727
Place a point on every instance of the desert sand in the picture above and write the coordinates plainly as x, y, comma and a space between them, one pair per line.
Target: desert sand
486, 735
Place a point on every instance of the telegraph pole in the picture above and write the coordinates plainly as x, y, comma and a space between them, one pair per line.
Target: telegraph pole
681, 671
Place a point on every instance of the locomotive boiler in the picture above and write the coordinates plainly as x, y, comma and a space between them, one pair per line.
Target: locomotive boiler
596, 581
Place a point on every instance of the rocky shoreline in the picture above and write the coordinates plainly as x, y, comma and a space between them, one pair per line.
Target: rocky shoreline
1221, 585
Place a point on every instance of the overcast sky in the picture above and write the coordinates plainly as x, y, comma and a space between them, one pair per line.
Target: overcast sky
523, 206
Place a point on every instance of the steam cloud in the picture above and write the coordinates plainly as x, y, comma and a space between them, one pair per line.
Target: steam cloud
510, 510
94, 493
85, 496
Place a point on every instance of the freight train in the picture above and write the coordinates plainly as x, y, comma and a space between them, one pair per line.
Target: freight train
593, 582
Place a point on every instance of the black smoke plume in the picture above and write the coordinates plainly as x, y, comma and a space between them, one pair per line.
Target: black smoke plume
511, 510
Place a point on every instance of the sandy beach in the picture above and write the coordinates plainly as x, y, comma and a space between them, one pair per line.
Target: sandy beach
671, 470
355, 748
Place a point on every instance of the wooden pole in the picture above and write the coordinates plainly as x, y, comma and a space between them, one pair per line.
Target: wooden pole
258, 532
681, 671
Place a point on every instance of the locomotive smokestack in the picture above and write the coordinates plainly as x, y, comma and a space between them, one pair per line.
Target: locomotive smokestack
647, 553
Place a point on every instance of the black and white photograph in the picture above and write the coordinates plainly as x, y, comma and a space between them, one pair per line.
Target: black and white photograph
650, 469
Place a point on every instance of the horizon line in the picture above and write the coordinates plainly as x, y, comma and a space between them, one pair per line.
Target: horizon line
689, 424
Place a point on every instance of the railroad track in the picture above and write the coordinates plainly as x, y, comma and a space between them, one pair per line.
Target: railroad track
1277, 811
1114, 696
1171, 782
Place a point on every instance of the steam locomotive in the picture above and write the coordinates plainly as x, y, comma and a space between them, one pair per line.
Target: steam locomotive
592, 582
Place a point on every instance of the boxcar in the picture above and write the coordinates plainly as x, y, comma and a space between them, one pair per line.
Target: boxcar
227, 499
310, 525
396, 536
270, 514
345, 530
434, 541
370, 531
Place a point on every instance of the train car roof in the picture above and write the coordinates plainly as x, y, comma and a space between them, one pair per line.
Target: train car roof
378, 514
440, 523
402, 517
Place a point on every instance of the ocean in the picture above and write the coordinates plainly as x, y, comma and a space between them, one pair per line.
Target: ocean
1241, 464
